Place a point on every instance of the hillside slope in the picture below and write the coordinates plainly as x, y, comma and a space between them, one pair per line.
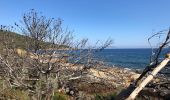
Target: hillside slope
12, 39
16, 40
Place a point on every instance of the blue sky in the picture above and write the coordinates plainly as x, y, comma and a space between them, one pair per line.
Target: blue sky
128, 22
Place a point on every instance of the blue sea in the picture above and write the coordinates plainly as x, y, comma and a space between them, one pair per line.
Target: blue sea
126, 58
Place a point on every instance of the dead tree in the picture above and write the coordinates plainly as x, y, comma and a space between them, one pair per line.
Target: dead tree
43, 69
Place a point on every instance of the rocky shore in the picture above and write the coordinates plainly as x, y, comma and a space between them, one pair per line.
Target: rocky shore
101, 80
112, 80
116, 76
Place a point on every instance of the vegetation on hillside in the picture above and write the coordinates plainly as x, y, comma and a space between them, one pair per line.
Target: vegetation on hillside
11, 39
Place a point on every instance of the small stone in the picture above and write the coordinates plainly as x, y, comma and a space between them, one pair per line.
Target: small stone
71, 92
67, 90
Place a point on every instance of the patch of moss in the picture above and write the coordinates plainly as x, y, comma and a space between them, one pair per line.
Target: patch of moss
14, 94
59, 96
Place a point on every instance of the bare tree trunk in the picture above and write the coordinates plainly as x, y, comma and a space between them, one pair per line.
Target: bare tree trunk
148, 79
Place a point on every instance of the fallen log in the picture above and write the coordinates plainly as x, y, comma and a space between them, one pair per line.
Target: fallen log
148, 78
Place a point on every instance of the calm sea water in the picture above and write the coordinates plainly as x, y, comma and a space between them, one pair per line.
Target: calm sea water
127, 58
